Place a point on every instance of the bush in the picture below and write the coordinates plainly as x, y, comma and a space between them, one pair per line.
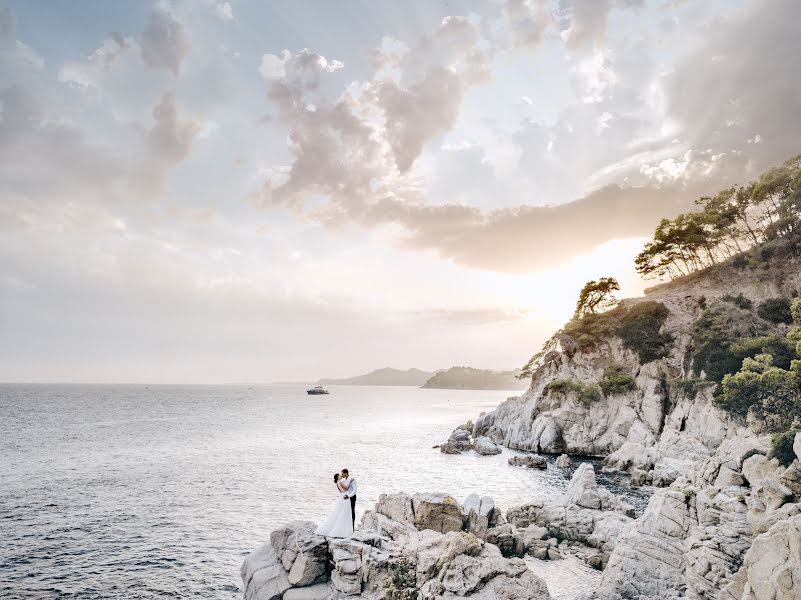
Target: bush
782, 448
719, 327
776, 310
616, 380
586, 392
402, 582
639, 330
739, 301
590, 329
780, 348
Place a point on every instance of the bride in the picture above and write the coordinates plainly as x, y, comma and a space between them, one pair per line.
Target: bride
339, 523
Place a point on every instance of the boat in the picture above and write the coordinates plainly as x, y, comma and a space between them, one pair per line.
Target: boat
317, 390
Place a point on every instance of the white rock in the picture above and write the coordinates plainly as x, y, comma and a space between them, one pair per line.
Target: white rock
564, 462
486, 447
772, 567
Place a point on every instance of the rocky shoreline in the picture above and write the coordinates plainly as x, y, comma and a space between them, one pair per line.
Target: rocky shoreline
724, 521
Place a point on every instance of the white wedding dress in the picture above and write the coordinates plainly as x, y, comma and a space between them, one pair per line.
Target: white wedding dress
339, 523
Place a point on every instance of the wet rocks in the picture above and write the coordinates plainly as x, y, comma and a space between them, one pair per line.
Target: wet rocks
564, 462
530, 461
458, 442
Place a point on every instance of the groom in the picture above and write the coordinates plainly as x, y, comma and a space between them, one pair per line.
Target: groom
350, 492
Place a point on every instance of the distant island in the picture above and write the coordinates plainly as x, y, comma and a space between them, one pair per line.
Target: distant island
385, 376
455, 378
468, 378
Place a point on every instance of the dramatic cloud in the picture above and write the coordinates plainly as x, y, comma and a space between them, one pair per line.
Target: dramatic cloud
738, 93
164, 42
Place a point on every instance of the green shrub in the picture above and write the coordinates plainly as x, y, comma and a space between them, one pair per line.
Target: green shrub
616, 380
782, 448
639, 330
720, 326
771, 394
739, 301
776, 310
592, 328
402, 582
586, 392
780, 348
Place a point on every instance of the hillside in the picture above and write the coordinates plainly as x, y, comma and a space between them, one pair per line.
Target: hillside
468, 378
688, 389
385, 376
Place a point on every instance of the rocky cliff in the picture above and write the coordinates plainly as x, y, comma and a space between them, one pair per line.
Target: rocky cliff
725, 524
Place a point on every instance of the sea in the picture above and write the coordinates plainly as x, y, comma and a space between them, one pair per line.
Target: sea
160, 491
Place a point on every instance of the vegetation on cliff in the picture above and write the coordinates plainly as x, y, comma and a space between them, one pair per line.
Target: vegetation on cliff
726, 224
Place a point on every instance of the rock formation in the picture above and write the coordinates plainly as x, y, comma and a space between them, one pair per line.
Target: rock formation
426, 546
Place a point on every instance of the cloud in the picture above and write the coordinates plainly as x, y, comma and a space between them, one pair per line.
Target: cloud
528, 22
165, 144
83, 72
164, 43
742, 80
224, 11
361, 146
302, 69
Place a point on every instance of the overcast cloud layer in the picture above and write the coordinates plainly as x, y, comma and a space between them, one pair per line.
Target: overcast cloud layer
188, 191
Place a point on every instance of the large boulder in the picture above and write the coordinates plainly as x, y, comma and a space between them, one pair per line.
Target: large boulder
507, 539
487, 576
479, 514
397, 507
486, 447
771, 569
438, 512
302, 552
458, 442
649, 558
263, 575
584, 491
564, 461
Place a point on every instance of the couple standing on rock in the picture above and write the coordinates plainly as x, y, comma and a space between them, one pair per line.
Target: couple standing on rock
342, 521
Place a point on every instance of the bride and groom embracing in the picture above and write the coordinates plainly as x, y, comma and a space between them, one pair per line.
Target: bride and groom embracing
342, 520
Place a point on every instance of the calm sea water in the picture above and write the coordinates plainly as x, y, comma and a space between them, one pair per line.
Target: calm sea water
160, 491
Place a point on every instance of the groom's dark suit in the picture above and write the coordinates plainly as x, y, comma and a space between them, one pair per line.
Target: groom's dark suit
351, 492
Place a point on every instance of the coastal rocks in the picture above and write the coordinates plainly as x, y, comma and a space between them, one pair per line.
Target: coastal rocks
369, 564
506, 538
458, 442
486, 447
772, 567
302, 552
564, 462
487, 576
479, 514
584, 491
648, 560
438, 512
587, 523
263, 575
530, 461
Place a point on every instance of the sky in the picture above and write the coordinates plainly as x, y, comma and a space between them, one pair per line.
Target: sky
254, 191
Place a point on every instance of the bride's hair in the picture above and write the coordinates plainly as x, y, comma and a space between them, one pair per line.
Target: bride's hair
336, 477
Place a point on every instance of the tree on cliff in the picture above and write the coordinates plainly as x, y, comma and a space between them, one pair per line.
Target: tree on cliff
596, 296
726, 224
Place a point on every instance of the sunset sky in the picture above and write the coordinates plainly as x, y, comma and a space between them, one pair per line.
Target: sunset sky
248, 191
